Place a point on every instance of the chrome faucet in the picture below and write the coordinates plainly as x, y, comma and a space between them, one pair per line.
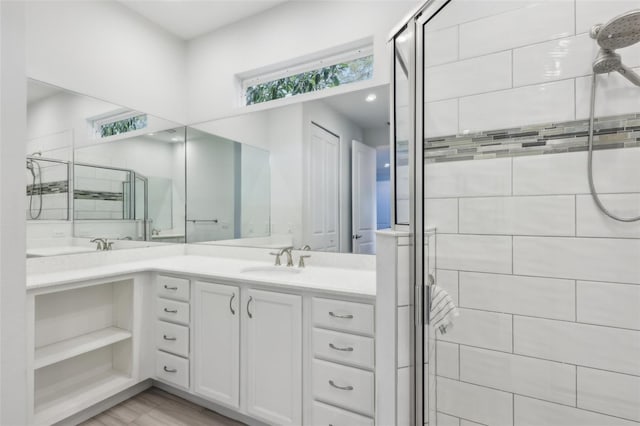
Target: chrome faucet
101, 243
287, 250
305, 247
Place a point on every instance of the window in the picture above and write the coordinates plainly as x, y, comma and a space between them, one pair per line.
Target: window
118, 123
329, 72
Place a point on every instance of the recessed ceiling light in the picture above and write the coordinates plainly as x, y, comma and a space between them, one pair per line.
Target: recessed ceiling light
150, 134
371, 97
175, 139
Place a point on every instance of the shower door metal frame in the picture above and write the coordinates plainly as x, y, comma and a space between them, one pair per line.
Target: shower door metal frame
420, 295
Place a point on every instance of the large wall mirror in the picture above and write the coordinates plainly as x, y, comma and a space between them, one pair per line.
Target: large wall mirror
314, 173
330, 175
95, 170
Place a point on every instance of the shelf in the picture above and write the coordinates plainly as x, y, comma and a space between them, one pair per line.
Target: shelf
61, 400
70, 348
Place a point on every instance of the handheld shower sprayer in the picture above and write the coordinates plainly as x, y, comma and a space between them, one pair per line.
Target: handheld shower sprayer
620, 32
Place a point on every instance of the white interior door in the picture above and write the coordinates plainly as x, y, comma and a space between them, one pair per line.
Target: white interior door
323, 220
363, 197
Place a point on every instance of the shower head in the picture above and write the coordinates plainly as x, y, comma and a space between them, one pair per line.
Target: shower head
606, 61
621, 31
30, 168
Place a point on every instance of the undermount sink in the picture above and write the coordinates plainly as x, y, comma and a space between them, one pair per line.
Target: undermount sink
271, 270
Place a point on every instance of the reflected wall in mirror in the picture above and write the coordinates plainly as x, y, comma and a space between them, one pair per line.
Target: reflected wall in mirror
329, 184
98, 170
228, 187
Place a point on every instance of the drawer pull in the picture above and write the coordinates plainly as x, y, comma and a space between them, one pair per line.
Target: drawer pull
349, 316
169, 338
170, 370
347, 349
233, 296
345, 388
170, 288
171, 311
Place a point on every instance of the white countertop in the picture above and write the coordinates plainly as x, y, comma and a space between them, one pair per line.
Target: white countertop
348, 281
57, 250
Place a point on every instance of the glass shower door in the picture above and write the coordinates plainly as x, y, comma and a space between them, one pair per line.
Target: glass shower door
546, 285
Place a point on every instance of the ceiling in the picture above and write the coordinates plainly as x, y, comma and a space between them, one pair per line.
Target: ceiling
189, 19
366, 115
37, 91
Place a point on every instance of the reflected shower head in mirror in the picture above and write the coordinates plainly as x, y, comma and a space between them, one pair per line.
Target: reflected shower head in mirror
620, 32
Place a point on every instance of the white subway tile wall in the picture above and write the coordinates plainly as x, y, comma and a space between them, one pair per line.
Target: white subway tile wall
547, 286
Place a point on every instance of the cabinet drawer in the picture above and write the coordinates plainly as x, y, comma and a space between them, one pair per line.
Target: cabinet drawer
172, 338
172, 310
172, 369
325, 415
342, 347
173, 288
341, 315
346, 387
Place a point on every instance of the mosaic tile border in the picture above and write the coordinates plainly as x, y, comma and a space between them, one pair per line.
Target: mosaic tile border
84, 194
621, 131
48, 188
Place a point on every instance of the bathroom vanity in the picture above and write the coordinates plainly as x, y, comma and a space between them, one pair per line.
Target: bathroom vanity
278, 345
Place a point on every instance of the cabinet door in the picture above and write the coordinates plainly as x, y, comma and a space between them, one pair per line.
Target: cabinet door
272, 333
217, 343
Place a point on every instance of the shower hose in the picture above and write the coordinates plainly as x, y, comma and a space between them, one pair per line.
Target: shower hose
594, 193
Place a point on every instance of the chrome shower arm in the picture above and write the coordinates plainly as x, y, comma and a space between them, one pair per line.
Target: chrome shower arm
629, 74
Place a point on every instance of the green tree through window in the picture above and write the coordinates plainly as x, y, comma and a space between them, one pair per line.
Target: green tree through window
123, 126
311, 81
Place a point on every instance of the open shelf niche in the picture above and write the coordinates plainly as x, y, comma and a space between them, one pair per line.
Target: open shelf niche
83, 348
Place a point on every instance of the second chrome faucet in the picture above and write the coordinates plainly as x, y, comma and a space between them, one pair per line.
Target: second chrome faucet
289, 252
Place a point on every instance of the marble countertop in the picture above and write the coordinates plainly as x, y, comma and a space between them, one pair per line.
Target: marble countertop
346, 281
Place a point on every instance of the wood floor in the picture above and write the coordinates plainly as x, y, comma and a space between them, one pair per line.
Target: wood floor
155, 407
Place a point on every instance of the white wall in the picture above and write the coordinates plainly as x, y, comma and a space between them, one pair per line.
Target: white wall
377, 137
286, 146
102, 49
320, 113
517, 66
284, 33
248, 129
13, 306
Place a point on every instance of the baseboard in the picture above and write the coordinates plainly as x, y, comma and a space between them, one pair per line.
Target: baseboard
104, 405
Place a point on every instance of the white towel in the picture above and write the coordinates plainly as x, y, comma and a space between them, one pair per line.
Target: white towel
443, 310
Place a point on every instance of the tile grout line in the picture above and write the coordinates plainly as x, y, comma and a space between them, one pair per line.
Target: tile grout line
542, 400
539, 359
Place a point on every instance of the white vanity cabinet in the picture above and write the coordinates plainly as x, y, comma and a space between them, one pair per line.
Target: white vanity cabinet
267, 326
217, 343
272, 339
